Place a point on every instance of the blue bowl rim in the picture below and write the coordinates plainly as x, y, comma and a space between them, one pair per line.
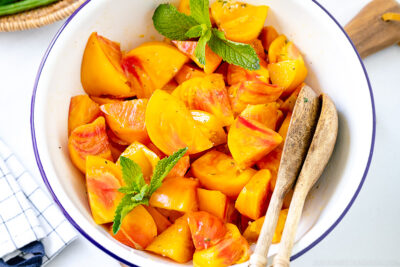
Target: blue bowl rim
81, 231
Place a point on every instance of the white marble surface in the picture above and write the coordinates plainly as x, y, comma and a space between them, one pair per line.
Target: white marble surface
368, 234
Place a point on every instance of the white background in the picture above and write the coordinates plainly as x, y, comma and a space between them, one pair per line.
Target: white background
367, 236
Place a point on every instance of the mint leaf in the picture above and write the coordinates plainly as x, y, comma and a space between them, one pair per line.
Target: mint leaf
200, 51
239, 54
132, 174
178, 26
143, 192
137, 192
127, 190
219, 34
163, 167
200, 12
196, 31
124, 207
171, 23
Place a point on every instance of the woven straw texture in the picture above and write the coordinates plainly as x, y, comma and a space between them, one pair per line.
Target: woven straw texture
39, 17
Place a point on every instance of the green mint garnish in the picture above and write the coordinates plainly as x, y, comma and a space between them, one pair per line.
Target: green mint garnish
136, 191
200, 52
171, 23
199, 11
234, 53
196, 31
175, 25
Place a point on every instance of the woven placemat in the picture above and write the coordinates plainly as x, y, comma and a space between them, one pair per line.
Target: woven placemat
39, 17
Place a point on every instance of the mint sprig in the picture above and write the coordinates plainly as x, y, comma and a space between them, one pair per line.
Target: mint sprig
136, 191
175, 25
199, 11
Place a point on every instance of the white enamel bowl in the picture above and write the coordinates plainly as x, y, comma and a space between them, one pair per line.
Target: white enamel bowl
334, 68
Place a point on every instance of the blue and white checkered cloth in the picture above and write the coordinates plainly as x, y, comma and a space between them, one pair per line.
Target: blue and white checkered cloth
27, 214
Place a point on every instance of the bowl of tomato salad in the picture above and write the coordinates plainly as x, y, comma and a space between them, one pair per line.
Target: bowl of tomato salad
158, 128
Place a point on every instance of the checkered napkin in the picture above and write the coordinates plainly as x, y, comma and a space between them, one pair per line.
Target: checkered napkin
26, 213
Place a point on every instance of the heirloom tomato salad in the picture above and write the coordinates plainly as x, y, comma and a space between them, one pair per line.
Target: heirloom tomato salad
180, 140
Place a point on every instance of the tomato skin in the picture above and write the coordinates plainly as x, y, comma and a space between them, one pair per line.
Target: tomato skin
232, 249
208, 94
172, 127
82, 110
207, 230
188, 72
236, 74
239, 21
176, 193
101, 72
218, 171
138, 229
267, 114
89, 139
151, 66
211, 126
175, 242
103, 178
189, 48
252, 92
267, 36
254, 198
160, 220
249, 141
126, 120
143, 156
213, 202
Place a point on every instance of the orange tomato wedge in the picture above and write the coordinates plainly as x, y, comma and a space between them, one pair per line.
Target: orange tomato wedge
267, 114
89, 139
103, 179
254, 198
82, 110
241, 22
208, 94
178, 194
171, 127
249, 141
189, 47
233, 249
207, 230
138, 229
126, 120
218, 171
175, 242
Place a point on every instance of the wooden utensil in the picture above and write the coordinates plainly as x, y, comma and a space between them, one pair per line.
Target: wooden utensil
369, 32
300, 132
317, 157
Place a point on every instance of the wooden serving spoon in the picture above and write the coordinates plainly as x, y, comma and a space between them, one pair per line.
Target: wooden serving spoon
300, 132
317, 157
369, 32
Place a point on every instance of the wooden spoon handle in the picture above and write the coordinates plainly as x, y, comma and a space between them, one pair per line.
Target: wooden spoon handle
369, 32
282, 259
260, 255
